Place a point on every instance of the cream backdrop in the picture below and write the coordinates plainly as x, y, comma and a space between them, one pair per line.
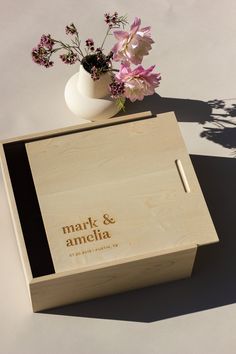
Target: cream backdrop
195, 52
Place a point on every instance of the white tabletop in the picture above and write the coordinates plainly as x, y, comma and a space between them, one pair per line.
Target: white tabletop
195, 52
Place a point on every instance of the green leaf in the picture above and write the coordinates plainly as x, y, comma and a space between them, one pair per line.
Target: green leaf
121, 103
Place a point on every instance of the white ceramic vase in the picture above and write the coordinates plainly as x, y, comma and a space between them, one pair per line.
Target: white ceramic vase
89, 99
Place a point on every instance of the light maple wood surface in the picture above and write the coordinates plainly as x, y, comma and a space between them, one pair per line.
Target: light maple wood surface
128, 168
129, 172
118, 276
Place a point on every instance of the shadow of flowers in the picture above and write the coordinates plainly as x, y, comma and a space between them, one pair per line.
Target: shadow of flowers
216, 116
224, 132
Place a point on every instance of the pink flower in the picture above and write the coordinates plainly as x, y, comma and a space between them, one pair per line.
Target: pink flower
133, 45
138, 83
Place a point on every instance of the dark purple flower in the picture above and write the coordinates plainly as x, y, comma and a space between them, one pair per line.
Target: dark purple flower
95, 74
90, 44
109, 56
71, 29
107, 18
48, 64
41, 56
46, 41
114, 18
111, 19
69, 58
117, 89
99, 52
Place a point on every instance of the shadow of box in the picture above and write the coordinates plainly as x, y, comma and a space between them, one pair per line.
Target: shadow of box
179, 217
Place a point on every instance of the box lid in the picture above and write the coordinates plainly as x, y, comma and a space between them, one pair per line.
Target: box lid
119, 190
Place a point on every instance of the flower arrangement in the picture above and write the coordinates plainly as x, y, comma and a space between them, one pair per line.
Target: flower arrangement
131, 80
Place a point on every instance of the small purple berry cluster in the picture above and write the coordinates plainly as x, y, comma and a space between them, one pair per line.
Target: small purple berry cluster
71, 29
47, 42
90, 44
42, 53
111, 20
39, 56
69, 58
117, 89
95, 74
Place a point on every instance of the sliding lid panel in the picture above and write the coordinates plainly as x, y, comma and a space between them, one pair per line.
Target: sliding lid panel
118, 191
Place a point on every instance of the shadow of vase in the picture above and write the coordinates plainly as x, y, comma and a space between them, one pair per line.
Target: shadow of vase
186, 110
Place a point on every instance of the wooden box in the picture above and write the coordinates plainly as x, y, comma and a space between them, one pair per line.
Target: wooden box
104, 207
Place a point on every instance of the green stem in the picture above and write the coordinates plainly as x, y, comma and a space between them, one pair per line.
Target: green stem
69, 47
106, 35
78, 44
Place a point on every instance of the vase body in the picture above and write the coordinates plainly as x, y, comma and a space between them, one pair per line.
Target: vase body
89, 99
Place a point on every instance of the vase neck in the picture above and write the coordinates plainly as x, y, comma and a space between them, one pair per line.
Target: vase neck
90, 88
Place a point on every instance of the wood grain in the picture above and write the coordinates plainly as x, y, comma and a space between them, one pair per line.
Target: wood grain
139, 183
128, 172
56, 290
